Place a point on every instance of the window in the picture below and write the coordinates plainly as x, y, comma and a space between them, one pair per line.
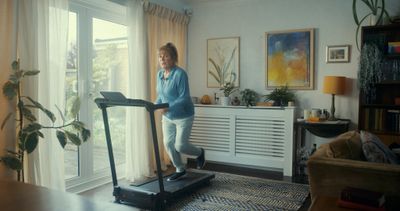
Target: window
97, 60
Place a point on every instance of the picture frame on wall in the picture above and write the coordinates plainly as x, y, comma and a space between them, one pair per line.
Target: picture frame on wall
337, 53
223, 61
289, 57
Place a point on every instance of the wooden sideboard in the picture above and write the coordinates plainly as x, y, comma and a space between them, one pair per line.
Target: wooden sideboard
256, 136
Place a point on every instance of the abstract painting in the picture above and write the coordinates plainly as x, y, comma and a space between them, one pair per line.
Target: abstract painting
290, 59
222, 62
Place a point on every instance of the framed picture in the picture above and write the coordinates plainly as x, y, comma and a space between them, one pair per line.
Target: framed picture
337, 53
290, 59
222, 61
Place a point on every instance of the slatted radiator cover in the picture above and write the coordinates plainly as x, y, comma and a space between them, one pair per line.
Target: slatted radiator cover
260, 136
256, 137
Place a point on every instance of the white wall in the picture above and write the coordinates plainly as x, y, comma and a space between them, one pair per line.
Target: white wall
250, 19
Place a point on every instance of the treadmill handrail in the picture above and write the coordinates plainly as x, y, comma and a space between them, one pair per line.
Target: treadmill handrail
102, 102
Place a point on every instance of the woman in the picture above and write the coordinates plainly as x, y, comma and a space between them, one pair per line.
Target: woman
177, 120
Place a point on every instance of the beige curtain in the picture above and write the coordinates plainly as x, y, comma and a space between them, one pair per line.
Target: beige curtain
164, 25
7, 54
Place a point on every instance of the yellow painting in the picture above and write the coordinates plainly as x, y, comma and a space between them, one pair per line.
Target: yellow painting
290, 59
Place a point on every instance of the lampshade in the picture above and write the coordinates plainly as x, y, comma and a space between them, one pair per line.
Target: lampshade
334, 85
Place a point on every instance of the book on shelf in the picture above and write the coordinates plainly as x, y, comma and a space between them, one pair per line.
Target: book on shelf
358, 206
393, 120
362, 196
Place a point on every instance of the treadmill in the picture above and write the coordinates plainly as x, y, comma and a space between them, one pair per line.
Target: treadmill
155, 193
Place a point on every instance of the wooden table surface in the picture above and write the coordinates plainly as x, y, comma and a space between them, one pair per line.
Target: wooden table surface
17, 196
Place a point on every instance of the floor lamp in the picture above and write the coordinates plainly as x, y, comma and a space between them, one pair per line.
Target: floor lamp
334, 85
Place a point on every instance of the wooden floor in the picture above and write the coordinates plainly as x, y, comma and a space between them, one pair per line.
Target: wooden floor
104, 193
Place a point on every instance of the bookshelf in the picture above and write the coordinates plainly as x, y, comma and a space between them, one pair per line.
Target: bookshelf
379, 109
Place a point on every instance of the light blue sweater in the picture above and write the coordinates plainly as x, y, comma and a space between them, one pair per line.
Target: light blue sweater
174, 90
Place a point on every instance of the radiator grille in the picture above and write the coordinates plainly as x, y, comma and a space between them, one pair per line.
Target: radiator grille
262, 137
211, 133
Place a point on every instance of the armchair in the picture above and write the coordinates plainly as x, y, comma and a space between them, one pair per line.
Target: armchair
341, 163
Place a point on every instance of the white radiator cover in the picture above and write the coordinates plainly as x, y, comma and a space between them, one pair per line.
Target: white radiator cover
256, 136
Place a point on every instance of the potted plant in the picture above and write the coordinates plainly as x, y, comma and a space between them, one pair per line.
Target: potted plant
370, 70
228, 89
376, 14
249, 97
29, 129
280, 96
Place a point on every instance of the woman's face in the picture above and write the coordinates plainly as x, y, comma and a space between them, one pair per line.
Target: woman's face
165, 60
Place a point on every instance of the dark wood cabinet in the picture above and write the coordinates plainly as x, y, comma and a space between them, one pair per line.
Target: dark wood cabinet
379, 107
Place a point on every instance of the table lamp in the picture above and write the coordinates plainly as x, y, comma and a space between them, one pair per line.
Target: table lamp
334, 85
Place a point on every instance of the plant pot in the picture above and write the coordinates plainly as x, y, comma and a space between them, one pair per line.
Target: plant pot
225, 101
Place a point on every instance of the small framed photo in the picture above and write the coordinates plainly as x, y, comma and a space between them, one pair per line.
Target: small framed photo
337, 53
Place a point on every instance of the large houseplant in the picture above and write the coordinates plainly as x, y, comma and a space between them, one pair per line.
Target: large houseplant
29, 130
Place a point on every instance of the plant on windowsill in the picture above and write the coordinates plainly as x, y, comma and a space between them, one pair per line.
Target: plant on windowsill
280, 96
28, 127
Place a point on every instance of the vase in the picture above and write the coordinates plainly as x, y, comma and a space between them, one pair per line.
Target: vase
225, 101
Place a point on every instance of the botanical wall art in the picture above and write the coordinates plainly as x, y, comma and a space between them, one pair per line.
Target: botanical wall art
338, 53
290, 59
222, 62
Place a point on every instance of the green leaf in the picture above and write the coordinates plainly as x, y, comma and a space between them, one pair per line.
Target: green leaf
28, 114
85, 133
40, 133
22, 139
32, 127
382, 12
73, 138
75, 107
10, 90
12, 152
13, 79
15, 65
31, 142
35, 103
355, 16
49, 114
61, 138
11, 162
78, 125
5, 120
31, 72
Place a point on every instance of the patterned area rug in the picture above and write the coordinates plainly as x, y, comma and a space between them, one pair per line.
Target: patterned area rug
234, 192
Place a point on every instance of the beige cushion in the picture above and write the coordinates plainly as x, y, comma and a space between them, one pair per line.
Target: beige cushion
347, 146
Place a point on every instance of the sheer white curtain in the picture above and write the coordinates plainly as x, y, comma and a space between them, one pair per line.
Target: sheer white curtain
42, 45
139, 145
